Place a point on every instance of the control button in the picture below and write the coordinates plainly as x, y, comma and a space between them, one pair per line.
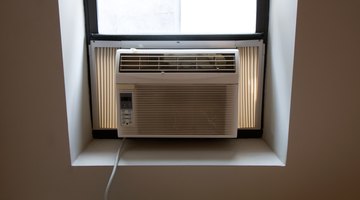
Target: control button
126, 116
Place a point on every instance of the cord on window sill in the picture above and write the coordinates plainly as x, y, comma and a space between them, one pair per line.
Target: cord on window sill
117, 158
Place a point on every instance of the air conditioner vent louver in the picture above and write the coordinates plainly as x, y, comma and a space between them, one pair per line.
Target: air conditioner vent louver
216, 62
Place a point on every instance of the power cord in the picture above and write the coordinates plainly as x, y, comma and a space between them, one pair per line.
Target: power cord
117, 158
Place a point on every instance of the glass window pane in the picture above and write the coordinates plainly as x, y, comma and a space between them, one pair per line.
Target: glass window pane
139, 17
218, 17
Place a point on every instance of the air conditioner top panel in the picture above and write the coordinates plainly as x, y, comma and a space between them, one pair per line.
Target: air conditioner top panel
177, 60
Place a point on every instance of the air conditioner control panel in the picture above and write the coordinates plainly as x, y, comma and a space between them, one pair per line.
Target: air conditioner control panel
126, 108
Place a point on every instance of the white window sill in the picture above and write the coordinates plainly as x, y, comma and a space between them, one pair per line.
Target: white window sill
212, 152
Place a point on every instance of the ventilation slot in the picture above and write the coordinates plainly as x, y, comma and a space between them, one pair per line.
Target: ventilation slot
248, 87
105, 117
219, 62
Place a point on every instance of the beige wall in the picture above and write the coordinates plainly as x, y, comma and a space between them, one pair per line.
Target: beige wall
323, 160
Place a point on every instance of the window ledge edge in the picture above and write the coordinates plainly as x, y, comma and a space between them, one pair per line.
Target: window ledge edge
189, 152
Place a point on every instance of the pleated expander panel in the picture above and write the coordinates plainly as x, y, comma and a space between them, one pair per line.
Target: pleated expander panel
248, 87
106, 114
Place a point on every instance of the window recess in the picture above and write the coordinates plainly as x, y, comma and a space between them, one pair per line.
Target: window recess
111, 25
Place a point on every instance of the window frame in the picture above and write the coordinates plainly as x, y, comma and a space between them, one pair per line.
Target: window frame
92, 33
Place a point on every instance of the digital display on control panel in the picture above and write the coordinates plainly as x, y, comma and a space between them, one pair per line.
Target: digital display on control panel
126, 100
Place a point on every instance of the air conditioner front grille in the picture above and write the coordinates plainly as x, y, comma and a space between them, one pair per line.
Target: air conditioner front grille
180, 110
217, 62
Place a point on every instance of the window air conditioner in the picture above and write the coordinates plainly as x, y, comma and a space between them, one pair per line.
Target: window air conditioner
177, 93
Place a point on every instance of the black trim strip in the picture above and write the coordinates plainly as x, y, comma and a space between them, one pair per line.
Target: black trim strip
249, 133
262, 18
91, 23
255, 36
105, 134
112, 134
90, 26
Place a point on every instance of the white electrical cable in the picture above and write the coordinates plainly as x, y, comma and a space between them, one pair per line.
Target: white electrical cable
117, 158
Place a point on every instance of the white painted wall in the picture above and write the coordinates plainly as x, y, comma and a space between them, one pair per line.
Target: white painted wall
76, 74
322, 160
279, 72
